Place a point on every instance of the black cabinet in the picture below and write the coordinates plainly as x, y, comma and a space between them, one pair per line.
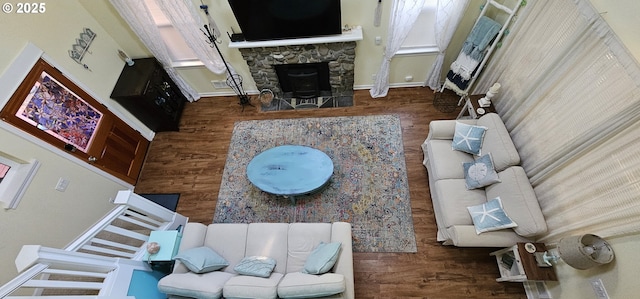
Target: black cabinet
145, 90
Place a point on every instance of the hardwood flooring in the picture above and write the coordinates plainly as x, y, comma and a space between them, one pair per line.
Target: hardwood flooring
191, 162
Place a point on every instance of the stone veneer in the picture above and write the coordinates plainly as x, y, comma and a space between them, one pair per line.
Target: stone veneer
340, 57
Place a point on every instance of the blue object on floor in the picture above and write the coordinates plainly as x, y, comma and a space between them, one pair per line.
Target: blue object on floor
167, 200
144, 285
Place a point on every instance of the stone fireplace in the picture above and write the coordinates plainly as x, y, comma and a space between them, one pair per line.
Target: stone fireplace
339, 57
304, 80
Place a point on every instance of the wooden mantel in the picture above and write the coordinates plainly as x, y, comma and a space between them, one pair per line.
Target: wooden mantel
353, 34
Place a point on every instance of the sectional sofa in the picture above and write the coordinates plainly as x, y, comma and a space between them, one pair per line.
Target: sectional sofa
289, 246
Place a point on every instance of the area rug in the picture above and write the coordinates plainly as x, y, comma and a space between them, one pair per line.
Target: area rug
368, 189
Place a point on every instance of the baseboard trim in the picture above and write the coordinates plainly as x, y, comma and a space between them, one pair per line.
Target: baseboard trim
355, 87
392, 85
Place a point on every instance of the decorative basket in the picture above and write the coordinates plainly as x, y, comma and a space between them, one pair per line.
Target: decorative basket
265, 97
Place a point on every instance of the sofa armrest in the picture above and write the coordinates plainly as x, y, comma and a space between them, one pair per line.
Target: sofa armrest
445, 129
466, 236
341, 232
193, 235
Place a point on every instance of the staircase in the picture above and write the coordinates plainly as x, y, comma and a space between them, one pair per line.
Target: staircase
98, 264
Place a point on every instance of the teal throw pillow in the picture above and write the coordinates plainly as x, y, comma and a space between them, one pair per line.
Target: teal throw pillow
490, 216
480, 173
322, 258
260, 266
201, 259
468, 138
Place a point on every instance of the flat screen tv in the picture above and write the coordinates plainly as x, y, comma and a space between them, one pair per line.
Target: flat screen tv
281, 19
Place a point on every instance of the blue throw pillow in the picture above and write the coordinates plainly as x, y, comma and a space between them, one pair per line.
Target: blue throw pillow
260, 266
322, 258
480, 173
201, 259
490, 216
468, 138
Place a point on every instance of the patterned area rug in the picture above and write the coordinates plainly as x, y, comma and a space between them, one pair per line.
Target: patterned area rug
369, 187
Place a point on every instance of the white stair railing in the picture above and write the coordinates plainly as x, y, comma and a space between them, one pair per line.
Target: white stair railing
56, 269
123, 232
100, 261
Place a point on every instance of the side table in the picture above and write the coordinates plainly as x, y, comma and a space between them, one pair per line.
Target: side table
516, 264
470, 108
169, 241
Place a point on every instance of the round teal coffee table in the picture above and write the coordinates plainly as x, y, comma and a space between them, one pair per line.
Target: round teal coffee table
290, 170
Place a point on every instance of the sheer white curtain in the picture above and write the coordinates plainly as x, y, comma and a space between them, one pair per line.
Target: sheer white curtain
136, 14
448, 16
403, 14
184, 16
570, 98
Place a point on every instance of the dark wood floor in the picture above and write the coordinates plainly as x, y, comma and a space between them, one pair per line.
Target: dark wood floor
191, 162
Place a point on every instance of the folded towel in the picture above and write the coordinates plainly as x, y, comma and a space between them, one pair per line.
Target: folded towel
456, 83
464, 65
481, 35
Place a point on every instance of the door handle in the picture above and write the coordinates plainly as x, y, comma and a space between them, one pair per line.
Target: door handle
92, 159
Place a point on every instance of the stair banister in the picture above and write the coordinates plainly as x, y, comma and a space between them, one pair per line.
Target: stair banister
35, 260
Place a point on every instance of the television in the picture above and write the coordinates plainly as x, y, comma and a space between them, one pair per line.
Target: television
283, 19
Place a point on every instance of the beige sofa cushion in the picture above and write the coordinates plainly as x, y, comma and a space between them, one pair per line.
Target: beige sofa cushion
303, 238
192, 236
301, 285
446, 162
207, 285
519, 201
454, 197
497, 141
243, 287
232, 247
269, 239
466, 236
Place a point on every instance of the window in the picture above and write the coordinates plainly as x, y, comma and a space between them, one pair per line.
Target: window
4, 169
180, 53
421, 38
15, 176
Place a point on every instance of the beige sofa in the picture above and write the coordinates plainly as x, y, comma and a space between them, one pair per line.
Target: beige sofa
450, 197
289, 244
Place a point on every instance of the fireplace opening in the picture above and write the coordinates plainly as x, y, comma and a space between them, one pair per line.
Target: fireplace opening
304, 80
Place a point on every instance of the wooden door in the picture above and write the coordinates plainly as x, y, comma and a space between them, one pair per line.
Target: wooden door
121, 152
54, 109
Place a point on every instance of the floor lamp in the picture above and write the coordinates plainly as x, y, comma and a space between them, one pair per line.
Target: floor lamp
233, 79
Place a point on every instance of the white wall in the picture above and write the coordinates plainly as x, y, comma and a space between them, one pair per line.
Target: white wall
622, 16
354, 12
620, 277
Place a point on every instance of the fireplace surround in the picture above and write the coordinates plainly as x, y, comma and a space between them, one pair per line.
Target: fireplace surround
339, 56
339, 52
